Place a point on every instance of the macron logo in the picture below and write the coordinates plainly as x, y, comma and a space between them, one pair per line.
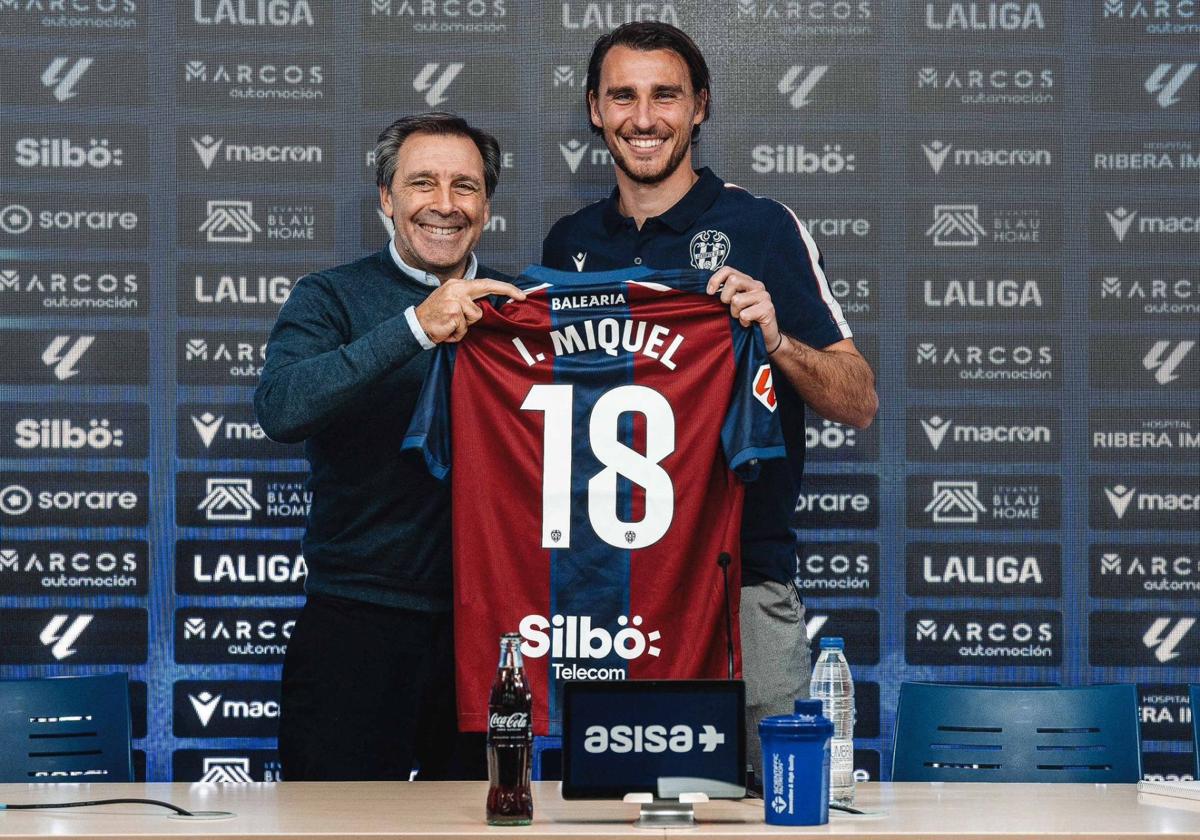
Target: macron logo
936, 153
207, 427
935, 429
204, 704
1120, 497
573, 152
1120, 220
206, 147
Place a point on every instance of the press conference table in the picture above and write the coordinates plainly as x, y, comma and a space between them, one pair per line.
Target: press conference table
455, 809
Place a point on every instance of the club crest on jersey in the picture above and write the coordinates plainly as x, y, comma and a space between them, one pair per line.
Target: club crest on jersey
710, 249
764, 388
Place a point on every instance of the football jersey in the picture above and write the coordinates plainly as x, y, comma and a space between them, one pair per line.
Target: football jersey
599, 433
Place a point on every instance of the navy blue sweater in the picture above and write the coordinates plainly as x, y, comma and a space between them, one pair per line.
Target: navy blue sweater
343, 373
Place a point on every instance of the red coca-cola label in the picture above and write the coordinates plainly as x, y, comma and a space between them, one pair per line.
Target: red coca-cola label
511, 722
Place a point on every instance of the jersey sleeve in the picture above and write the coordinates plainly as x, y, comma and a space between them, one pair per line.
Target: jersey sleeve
804, 304
429, 429
751, 432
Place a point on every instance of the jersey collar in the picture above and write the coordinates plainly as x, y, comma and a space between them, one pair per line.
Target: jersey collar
680, 216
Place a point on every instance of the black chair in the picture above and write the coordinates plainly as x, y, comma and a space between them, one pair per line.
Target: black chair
965, 733
68, 729
1194, 694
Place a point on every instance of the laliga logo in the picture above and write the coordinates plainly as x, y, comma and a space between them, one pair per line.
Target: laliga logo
764, 388
573, 637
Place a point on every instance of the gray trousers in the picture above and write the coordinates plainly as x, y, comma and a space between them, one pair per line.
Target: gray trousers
775, 657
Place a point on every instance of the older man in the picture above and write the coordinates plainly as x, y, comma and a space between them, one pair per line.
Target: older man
368, 681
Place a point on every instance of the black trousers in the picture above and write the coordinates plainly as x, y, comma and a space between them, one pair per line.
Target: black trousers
368, 694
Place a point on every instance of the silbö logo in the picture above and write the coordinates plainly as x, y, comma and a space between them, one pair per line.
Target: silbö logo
574, 637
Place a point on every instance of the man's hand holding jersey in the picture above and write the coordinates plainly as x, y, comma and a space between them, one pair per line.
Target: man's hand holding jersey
447, 313
748, 301
835, 381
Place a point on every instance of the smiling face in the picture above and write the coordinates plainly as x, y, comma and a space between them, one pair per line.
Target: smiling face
646, 108
437, 202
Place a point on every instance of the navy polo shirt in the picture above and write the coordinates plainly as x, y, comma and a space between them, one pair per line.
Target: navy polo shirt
718, 224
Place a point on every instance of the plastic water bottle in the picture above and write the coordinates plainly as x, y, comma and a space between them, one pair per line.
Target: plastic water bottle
832, 685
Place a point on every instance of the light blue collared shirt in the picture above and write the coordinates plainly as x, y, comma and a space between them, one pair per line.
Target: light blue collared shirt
427, 279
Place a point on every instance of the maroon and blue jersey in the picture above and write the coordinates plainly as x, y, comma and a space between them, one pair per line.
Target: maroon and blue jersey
599, 433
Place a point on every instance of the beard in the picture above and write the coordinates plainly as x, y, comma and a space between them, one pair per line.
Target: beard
654, 177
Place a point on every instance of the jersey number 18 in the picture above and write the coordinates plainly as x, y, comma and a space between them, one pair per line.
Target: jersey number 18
555, 402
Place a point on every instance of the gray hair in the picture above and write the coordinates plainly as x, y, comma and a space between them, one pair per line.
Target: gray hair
435, 122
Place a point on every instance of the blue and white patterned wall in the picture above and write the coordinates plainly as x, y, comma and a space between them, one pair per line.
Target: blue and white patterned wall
1005, 193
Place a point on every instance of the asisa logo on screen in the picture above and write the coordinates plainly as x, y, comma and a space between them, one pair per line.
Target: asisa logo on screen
655, 738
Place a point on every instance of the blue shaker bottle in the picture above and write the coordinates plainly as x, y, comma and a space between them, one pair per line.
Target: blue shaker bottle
795, 750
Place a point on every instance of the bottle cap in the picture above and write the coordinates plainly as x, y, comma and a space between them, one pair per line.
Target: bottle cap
795, 726
832, 643
811, 708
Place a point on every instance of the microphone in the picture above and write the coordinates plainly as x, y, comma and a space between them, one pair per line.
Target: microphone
723, 560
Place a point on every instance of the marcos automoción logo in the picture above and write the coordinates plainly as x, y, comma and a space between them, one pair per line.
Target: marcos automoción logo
231, 635
983, 637
837, 568
985, 361
73, 567
1144, 570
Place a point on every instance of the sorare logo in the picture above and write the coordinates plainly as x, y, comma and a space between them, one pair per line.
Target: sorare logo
838, 501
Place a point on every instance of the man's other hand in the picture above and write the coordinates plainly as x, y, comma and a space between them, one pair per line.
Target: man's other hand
447, 313
748, 300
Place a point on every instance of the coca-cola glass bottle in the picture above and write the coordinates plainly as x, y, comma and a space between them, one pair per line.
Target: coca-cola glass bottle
510, 739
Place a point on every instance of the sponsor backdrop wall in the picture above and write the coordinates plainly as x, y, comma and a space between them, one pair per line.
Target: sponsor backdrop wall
1005, 193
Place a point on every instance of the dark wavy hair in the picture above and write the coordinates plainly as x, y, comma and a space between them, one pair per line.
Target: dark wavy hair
647, 36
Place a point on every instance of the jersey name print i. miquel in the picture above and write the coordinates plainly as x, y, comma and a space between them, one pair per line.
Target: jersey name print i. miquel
598, 434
